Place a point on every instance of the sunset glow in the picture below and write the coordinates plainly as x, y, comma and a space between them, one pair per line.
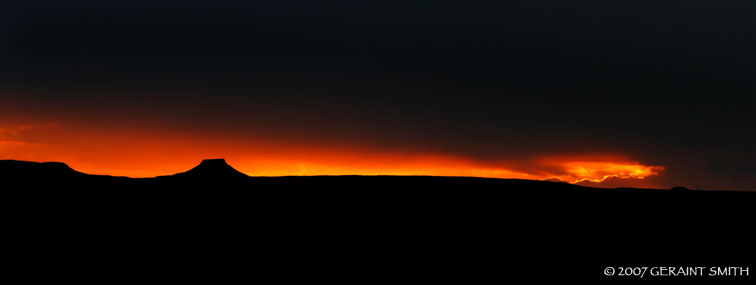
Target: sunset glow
148, 153
599, 171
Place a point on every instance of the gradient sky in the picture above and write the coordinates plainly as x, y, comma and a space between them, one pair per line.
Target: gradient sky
611, 93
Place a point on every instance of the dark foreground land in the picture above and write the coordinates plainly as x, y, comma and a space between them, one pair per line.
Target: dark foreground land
213, 224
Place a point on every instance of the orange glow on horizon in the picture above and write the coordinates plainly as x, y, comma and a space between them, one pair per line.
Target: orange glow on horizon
136, 152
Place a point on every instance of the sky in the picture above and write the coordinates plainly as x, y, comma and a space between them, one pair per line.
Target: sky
602, 93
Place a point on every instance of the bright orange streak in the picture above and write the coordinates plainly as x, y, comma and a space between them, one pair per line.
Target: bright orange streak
144, 153
580, 171
139, 152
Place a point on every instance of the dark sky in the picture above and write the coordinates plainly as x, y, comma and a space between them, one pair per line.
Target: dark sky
662, 82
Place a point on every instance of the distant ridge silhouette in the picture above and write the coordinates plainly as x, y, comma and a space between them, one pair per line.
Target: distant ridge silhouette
219, 171
41, 169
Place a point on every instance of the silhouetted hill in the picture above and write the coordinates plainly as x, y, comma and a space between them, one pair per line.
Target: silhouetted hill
364, 229
211, 169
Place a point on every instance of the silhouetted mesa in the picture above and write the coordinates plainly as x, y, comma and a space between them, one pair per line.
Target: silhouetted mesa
368, 229
212, 169
9, 169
